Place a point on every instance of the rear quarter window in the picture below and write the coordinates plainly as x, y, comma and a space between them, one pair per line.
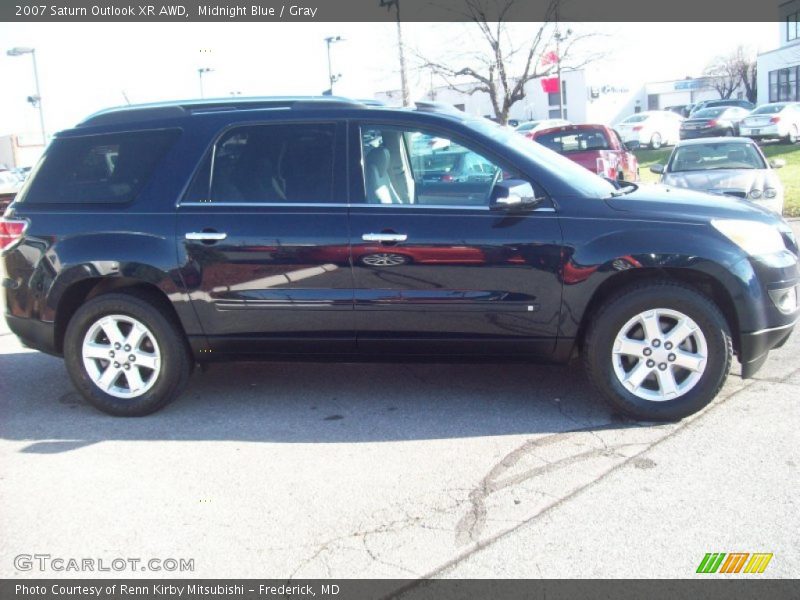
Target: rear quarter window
108, 168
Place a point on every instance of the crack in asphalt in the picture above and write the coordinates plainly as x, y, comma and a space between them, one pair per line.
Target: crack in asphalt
481, 544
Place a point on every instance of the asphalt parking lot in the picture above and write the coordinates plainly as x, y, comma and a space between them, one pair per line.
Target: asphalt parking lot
274, 470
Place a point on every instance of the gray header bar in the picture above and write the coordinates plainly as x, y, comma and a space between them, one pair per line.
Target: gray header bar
182, 11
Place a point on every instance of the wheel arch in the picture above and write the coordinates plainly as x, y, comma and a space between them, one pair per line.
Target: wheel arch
698, 280
84, 290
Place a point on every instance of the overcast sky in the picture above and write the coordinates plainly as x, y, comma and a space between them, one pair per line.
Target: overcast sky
86, 67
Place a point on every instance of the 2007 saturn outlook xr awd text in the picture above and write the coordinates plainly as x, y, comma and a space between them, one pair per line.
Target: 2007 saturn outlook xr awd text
152, 238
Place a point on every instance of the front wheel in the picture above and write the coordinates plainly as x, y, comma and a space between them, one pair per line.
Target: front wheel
124, 356
658, 351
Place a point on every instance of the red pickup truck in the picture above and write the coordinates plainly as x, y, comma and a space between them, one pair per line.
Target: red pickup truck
596, 147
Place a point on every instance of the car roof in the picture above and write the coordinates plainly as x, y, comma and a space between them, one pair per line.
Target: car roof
714, 140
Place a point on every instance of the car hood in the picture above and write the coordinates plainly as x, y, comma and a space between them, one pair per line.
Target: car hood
723, 180
677, 204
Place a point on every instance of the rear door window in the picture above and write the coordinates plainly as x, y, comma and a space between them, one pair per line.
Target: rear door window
273, 164
108, 168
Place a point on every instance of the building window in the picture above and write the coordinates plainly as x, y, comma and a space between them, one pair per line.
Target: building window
783, 85
792, 26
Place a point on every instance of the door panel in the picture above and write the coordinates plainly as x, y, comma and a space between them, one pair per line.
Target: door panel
265, 254
464, 281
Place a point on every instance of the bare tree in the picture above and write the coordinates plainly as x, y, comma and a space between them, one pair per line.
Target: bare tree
746, 64
730, 71
502, 67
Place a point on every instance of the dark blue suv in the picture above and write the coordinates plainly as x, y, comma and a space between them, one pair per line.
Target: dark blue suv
152, 238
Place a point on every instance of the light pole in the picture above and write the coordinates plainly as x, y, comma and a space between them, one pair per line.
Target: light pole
331, 77
37, 99
200, 72
560, 38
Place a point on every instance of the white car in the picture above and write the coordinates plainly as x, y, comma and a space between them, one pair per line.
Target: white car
531, 127
653, 128
9, 182
725, 166
779, 120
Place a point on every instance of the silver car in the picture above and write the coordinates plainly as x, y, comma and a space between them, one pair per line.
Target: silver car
725, 166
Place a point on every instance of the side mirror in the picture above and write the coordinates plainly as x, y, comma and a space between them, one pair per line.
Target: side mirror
657, 168
777, 163
513, 194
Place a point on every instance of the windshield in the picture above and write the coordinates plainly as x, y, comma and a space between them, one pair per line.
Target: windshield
586, 182
769, 109
723, 155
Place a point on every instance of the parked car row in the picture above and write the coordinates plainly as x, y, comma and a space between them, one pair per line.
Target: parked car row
708, 155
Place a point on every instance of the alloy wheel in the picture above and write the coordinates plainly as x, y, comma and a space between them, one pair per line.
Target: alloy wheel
659, 355
121, 356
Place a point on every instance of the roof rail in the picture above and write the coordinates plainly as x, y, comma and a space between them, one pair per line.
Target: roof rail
181, 108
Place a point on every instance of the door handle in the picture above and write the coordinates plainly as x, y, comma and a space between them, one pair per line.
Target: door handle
384, 237
205, 236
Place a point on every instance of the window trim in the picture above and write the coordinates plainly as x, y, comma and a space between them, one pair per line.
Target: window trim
354, 132
339, 187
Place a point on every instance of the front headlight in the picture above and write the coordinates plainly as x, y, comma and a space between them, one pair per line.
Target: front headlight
755, 194
754, 237
770, 192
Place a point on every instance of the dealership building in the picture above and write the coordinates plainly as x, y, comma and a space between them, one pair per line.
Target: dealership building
778, 70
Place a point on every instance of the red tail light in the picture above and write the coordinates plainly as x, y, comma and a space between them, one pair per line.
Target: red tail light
638, 128
11, 231
447, 178
774, 119
712, 123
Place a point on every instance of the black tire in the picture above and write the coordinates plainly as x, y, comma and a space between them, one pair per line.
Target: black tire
791, 137
633, 300
176, 363
655, 141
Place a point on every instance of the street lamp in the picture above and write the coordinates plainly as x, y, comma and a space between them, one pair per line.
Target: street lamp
200, 72
559, 37
36, 100
331, 77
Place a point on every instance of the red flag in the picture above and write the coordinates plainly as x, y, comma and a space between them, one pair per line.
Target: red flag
549, 58
550, 85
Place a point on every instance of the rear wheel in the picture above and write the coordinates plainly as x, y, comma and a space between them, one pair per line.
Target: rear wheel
658, 351
791, 137
656, 141
124, 356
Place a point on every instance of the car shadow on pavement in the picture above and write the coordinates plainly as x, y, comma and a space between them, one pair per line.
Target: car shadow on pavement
308, 403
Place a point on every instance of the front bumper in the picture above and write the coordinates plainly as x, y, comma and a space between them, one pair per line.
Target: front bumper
763, 326
755, 347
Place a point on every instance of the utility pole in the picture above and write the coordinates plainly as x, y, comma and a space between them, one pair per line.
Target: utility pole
388, 4
331, 77
559, 37
36, 101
